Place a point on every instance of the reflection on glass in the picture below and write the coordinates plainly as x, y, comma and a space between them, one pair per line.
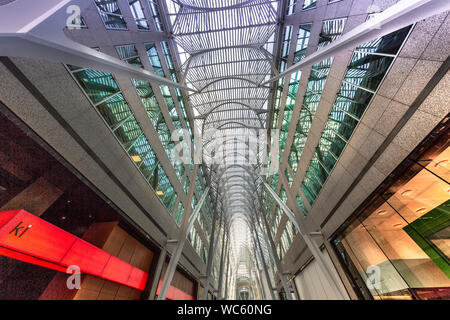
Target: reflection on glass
138, 14
405, 234
111, 15
363, 77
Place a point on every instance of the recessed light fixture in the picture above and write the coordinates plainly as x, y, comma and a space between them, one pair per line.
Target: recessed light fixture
406, 193
397, 225
441, 163
382, 212
421, 210
136, 158
63, 218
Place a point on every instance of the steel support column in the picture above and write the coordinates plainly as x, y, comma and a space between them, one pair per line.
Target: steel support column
263, 261
261, 283
211, 252
310, 243
222, 263
225, 296
274, 254
179, 249
157, 276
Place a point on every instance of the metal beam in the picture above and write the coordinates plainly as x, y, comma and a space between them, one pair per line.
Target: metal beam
179, 249
225, 296
310, 243
263, 261
274, 254
210, 252
222, 263
157, 275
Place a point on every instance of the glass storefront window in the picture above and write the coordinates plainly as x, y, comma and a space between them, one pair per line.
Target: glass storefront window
400, 244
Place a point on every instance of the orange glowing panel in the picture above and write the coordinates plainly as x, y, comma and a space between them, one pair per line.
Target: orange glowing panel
26, 237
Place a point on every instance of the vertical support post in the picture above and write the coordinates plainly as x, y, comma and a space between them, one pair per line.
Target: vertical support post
226, 276
179, 249
157, 276
263, 261
310, 243
210, 254
222, 263
273, 251
262, 287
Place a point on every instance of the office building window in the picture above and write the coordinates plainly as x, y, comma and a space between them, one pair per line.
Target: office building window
309, 4
138, 14
154, 7
110, 12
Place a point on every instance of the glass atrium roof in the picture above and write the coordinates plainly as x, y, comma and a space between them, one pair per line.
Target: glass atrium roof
226, 48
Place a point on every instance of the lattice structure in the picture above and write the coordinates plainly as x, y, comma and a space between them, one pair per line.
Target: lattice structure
226, 58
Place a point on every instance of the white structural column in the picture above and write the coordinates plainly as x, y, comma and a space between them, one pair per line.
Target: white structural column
222, 263
263, 286
273, 251
211, 255
157, 275
225, 295
264, 265
260, 281
310, 243
179, 249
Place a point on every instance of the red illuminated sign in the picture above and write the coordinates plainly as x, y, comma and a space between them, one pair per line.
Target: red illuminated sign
174, 293
28, 238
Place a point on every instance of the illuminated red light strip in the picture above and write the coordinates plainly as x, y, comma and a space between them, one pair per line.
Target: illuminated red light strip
26, 237
175, 293
26, 258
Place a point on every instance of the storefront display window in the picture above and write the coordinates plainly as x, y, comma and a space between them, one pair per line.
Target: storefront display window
400, 243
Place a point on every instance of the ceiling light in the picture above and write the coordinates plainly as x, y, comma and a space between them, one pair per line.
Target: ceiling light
397, 225
382, 212
136, 158
406, 193
2, 189
63, 218
442, 163
421, 210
